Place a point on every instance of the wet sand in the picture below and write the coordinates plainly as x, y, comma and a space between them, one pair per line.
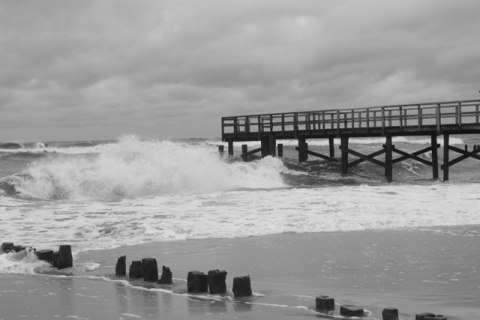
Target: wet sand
413, 270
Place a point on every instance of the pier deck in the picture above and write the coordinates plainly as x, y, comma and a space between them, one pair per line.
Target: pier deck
436, 118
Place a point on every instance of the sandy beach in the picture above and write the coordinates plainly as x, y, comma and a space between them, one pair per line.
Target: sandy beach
412, 270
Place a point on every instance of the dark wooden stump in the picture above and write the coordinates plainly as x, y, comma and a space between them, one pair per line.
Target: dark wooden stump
65, 259
18, 248
241, 287
55, 259
166, 277
136, 270
216, 281
390, 314
150, 269
121, 266
420, 316
324, 303
45, 255
7, 247
351, 311
436, 317
197, 282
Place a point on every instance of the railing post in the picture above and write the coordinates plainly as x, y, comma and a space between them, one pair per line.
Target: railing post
247, 125
353, 119
283, 123
459, 114
271, 123
295, 123
420, 118
235, 126
401, 118
323, 121
383, 120
389, 118
368, 118
476, 113
338, 122
259, 126
439, 117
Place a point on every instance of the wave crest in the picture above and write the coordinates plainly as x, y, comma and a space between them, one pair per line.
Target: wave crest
134, 168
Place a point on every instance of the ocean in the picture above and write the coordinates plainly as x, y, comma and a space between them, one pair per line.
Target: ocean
104, 195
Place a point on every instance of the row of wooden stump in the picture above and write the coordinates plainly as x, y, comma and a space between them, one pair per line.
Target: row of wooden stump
326, 305
60, 259
197, 282
213, 282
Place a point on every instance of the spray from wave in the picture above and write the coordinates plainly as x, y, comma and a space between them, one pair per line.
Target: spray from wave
134, 168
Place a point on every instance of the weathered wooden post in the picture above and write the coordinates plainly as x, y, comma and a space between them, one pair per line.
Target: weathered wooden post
280, 150
434, 157
55, 259
344, 148
388, 159
302, 149
272, 142
331, 147
197, 282
230, 148
244, 152
65, 259
150, 269
216, 281
421, 316
325, 303
221, 149
45, 255
7, 247
390, 314
121, 266
446, 145
136, 270
265, 146
166, 277
351, 311
241, 287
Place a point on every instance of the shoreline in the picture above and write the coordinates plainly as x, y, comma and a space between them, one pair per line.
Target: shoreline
371, 269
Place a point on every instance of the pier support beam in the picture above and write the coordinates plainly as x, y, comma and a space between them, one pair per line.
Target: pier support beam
230, 148
446, 146
302, 149
332, 147
434, 157
268, 146
344, 147
388, 159
280, 150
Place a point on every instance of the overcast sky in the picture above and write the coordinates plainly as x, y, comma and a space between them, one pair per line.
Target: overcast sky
77, 70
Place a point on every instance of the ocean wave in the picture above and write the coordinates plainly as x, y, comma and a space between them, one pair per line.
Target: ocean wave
134, 168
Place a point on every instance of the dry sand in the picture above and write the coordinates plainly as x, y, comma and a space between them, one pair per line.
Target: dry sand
412, 270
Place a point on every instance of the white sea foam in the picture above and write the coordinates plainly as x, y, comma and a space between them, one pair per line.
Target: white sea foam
240, 213
132, 168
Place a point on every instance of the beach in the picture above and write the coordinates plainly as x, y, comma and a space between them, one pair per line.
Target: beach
412, 270
298, 230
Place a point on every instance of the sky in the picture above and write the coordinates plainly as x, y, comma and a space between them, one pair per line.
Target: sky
160, 69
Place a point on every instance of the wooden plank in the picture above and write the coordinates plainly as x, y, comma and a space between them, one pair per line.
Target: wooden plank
362, 156
411, 156
372, 155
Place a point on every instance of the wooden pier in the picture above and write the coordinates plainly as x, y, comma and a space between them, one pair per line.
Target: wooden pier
422, 119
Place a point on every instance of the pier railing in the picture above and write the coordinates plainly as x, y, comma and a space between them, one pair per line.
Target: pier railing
415, 117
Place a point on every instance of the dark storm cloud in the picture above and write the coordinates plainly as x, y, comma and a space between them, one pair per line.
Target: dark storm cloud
97, 69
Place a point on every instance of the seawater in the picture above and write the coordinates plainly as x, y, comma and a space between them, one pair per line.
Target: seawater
106, 194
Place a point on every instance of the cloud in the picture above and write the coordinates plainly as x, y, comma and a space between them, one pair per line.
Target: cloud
97, 69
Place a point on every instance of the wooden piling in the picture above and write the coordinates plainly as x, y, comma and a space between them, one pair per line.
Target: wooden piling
221, 150
272, 143
280, 150
446, 145
344, 147
244, 152
265, 146
434, 157
331, 147
388, 159
302, 149
230, 148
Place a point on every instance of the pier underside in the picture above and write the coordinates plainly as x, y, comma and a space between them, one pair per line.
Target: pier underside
429, 119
